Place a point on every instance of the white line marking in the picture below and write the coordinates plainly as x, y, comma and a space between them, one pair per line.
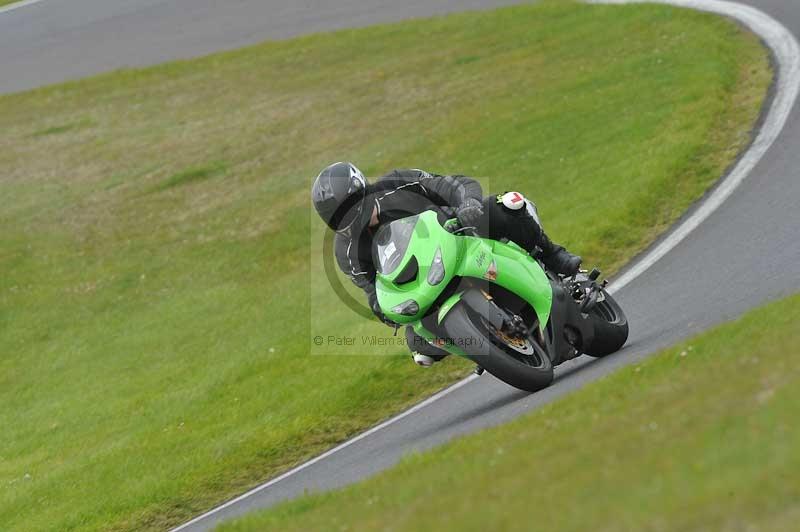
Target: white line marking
787, 55
12, 7
326, 454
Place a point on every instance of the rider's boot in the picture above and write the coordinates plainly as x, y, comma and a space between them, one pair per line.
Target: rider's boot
429, 360
557, 259
425, 354
563, 262
423, 360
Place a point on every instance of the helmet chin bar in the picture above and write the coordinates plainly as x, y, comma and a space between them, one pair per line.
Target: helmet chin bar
350, 211
357, 179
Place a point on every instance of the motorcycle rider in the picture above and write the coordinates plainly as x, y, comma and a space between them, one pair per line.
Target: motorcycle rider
355, 209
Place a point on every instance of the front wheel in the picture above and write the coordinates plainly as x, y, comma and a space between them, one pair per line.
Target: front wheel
520, 362
610, 327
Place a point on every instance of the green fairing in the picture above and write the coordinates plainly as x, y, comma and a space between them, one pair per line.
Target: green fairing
516, 271
463, 256
447, 305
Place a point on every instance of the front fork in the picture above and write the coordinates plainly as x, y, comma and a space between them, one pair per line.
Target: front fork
483, 303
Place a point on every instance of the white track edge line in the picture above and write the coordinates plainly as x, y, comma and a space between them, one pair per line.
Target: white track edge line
17, 5
787, 54
326, 454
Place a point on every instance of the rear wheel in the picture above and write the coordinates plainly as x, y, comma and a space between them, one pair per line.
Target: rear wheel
610, 327
520, 362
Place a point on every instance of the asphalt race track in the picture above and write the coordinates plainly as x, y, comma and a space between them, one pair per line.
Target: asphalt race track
54, 40
745, 253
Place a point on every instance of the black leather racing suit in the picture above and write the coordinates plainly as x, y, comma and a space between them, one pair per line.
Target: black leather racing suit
403, 193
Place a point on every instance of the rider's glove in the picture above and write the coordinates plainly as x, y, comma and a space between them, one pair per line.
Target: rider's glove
376, 309
469, 213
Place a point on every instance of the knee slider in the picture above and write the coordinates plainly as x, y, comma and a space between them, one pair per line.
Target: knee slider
513, 201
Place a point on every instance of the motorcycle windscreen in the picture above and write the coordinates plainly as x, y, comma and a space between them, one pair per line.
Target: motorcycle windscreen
391, 243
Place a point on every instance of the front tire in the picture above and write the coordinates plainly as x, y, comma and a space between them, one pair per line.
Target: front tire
521, 363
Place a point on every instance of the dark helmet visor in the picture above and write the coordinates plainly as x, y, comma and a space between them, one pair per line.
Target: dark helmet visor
350, 209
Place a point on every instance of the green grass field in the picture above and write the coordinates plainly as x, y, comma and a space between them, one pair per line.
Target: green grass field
703, 436
156, 257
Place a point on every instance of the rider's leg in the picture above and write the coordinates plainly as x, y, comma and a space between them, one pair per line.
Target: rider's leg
556, 258
422, 351
512, 216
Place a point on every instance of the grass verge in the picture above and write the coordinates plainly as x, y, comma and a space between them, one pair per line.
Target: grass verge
700, 437
155, 249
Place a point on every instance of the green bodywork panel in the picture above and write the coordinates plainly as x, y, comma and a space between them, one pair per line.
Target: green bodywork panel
505, 264
447, 305
514, 269
428, 236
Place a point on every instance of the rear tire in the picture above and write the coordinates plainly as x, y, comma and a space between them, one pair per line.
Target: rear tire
610, 327
525, 366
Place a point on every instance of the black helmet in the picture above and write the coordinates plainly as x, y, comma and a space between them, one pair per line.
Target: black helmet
338, 194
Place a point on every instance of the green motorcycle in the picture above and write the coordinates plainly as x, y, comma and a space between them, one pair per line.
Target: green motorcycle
491, 301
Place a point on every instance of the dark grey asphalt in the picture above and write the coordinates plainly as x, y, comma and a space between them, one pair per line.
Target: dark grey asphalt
57, 40
746, 253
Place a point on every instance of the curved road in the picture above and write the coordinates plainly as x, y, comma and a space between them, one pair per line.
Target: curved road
743, 254
55, 40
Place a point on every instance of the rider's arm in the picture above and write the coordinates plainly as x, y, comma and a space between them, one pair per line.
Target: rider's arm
445, 190
360, 272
